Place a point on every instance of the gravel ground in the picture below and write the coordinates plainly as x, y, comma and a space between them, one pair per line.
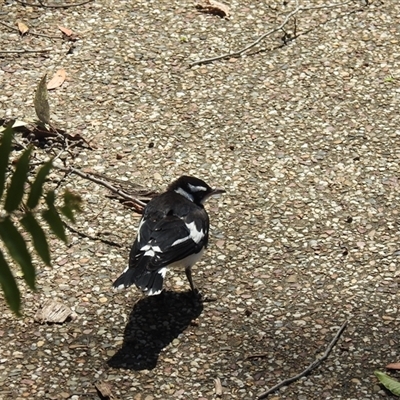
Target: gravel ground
304, 137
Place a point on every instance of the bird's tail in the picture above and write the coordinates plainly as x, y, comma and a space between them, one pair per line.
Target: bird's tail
126, 279
150, 282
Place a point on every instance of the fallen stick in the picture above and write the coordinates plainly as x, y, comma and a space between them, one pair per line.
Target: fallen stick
95, 238
24, 51
311, 367
54, 5
238, 53
138, 204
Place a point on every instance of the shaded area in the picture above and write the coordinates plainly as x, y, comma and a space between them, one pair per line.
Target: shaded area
153, 323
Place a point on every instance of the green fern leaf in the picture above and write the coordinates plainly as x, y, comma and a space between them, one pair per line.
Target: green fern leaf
389, 383
16, 190
37, 186
38, 236
9, 286
55, 223
16, 246
50, 198
5, 148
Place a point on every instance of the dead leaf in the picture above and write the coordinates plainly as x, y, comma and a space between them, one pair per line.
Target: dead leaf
41, 102
104, 389
53, 312
22, 28
65, 31
214, 7
393, 366
218, 387
57, 80
68, 34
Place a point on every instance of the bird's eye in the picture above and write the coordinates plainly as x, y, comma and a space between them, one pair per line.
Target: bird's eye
195, 189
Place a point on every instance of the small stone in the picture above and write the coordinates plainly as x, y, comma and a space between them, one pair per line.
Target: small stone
376, 388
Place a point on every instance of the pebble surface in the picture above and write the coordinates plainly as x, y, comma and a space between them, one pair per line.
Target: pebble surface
304, 138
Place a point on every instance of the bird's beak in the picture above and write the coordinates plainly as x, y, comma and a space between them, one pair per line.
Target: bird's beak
217, 191
213, 193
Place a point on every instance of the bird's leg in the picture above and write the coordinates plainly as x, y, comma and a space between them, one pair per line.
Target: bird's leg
195, 294
188, 272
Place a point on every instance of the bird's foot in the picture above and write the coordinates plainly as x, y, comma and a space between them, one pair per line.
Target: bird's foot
197, 296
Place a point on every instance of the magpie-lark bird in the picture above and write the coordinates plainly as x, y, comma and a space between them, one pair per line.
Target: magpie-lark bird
173, 232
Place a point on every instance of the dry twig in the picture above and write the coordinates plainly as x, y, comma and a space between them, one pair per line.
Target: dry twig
87, 236
14, 28
257, 355
54, 5
58, 135
137, 204
238, 53
24, 51
310, 368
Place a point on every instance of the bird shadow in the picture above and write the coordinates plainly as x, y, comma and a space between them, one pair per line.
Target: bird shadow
154, 322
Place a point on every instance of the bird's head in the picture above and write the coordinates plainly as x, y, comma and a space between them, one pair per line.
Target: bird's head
194, 189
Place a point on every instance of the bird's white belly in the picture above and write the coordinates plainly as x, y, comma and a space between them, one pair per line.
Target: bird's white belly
188, 261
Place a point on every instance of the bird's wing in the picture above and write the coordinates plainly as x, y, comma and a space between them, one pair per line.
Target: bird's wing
168, 240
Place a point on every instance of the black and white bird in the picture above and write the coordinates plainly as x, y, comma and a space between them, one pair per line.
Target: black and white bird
173, 232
